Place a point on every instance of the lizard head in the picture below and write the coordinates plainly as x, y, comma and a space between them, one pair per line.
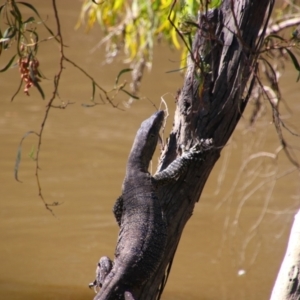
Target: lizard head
146, 140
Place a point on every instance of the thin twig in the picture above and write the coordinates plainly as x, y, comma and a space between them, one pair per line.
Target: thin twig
283, 24
178, 32
278, 122
49, 105
93, 80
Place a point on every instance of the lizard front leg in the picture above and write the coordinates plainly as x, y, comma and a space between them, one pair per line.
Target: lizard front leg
180, 164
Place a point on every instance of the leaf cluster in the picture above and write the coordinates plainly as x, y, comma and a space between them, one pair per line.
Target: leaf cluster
133, 26
23, 36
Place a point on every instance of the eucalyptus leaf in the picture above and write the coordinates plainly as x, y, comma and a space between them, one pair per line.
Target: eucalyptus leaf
295, 62
9, 64
129, 94
19, 154
93, 90
37, 13
29, 20
120, 73
9, 32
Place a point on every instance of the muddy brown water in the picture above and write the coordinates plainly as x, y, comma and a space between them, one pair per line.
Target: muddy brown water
231, 247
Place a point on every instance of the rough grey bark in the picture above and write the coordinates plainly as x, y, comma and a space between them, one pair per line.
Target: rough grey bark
209, 107
216, 90
287, 285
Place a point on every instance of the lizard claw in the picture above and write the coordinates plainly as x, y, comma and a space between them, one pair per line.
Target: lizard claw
94, 285
196, 149
203, 144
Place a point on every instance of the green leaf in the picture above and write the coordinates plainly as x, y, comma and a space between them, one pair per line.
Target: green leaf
214, 3
16, 12
9, 32
3, 40
41, 74
37, 13
295, 62
120, 73
29, 20
31, 153
89, 105
129, 94
93, 91
274, 36
19, 154
9, 64
36, 84
1, 7
17, 164
36, 81
30, 7
176, 70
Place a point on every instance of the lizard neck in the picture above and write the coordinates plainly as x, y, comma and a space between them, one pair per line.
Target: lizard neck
139, 161
145, 143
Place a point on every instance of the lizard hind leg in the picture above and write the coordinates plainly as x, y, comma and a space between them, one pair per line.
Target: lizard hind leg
104, 266
118, 210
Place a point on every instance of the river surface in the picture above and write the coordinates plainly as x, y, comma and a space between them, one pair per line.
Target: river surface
232, 246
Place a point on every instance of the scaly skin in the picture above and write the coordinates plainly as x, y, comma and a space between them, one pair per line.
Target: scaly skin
143, 229
143, 232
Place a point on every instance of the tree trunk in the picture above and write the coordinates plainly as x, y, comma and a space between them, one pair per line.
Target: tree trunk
210, 105
216, 90
287, 286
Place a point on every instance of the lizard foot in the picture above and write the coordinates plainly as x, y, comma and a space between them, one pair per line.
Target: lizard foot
104, 266
199, 147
